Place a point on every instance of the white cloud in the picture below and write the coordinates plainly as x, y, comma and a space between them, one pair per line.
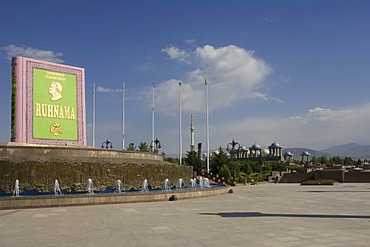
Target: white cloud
107, 90
326, 114
265, 96
233, 74
13, 50
273, 19
176, 53
190, 41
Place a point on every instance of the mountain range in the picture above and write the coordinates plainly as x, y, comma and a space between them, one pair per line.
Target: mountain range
353, 150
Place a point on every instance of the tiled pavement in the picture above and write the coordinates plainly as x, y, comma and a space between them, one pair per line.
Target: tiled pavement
261, 215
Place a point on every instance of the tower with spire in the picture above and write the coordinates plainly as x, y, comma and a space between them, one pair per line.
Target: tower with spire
192, 132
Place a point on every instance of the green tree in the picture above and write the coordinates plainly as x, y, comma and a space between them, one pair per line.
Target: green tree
359, 163
324, 160
268, 167
278, 166
219, 159
247, 168
225, 172
315, 160
193, 160
143, 147
235, 168
336, 160
131, 147
347, 161
256, 167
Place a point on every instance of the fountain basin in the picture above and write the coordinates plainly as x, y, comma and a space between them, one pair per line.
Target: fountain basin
106, 198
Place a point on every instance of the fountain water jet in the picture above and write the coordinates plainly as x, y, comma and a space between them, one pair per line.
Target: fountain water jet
16, 188
57, 190
200, 182
118, 186
89, 186
180, 184
206, 183
166, 185
192, 183
144, 186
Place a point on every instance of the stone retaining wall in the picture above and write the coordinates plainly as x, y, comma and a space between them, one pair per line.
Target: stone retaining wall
357, 177
339, 176
295, 177
37, 166
336, 175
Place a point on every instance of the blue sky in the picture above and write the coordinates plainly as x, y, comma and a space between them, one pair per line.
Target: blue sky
295, 72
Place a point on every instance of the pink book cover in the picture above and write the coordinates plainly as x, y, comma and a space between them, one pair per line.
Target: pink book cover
28, 124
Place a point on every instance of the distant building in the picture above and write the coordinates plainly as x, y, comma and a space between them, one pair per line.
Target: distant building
274, 152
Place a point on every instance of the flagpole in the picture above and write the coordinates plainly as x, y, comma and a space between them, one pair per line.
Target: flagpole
123, 115
207, 124
93, 113
180, 124
152, 144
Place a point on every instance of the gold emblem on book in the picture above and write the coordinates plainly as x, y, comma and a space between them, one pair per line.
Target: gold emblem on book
56, 129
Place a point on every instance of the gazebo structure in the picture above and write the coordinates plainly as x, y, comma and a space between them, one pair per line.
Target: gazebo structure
288, 156
276, 150
255, 151
242, 152
306, 155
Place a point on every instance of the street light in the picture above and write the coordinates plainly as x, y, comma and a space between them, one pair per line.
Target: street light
231, 148
157, 146
107, 144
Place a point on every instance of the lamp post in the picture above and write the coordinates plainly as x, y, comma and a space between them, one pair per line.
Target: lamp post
231, 148
207, 124
153, 87
180, 123
155, 145
107, 144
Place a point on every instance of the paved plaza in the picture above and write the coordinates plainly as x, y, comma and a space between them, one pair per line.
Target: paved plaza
259, 215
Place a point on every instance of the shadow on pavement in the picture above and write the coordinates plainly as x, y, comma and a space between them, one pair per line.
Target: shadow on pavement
336, 191
258, 214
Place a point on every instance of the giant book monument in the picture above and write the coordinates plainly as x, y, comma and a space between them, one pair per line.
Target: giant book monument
48, 103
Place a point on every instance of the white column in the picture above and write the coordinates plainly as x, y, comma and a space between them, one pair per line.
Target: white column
123, 116
153, 136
